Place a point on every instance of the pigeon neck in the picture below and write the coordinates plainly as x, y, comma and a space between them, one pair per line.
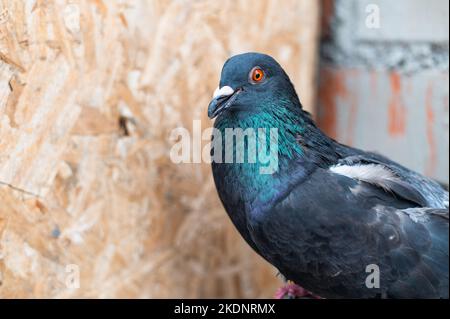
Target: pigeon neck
299, 148
275, 146
277, 131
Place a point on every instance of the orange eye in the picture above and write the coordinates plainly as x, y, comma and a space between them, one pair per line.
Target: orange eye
257, 75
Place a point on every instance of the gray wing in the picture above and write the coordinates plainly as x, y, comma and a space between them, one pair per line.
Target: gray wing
408, 184
328, 229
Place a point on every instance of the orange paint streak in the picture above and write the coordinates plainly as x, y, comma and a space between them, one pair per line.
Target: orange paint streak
353, 108
431, 165
396, 108
332, 86
327, 14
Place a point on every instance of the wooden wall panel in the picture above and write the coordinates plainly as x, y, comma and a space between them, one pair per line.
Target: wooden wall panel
89, 93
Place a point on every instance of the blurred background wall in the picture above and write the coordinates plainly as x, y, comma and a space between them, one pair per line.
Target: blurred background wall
89, 93
384, 86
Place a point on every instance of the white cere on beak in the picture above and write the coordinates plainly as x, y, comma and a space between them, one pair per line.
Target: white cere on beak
223, 91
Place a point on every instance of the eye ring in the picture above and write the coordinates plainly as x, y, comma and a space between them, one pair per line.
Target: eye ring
256, 75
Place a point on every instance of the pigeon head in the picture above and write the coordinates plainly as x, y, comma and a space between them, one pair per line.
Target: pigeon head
252, 83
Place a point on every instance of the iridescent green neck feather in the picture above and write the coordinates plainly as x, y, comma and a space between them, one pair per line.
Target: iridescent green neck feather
288, 124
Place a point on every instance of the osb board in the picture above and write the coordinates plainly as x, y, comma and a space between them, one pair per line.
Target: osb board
89, 93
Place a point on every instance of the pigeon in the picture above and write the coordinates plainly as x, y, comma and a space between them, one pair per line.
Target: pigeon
338, 221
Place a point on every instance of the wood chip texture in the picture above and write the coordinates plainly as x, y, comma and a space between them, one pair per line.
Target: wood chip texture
90, 203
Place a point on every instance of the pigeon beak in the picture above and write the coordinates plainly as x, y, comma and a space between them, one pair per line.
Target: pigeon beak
223, 98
